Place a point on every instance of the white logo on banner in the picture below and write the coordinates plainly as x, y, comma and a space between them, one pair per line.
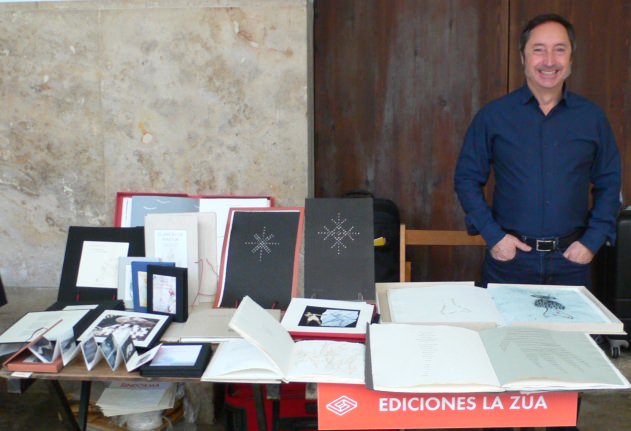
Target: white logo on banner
342, 405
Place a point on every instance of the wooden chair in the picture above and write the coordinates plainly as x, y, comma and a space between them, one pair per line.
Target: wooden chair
410, 237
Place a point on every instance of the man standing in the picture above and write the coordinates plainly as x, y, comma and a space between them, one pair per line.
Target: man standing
548, 148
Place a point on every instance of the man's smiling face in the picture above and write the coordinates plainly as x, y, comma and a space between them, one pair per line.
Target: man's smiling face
547, 57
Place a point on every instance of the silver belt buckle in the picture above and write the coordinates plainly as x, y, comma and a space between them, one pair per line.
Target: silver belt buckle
545, 245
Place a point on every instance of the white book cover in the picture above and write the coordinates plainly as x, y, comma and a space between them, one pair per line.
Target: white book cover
175, 238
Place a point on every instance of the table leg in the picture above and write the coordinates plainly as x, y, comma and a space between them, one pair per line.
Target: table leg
84, 404
259, 406
58, 393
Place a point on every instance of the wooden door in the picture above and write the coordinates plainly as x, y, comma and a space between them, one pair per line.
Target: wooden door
396, 84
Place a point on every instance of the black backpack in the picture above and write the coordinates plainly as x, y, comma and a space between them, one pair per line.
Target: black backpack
386, 228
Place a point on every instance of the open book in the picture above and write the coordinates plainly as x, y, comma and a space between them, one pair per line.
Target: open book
563, 308
206, 324
425, 358
268, 354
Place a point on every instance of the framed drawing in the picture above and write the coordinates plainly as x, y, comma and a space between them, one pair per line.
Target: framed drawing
90, 267
139, 282
145, 328
327, 318
167, 291
125, 285
178, 360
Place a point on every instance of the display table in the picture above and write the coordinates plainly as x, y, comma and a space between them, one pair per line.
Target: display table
353, 407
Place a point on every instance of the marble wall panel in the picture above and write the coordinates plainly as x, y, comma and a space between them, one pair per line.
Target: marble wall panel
205, 97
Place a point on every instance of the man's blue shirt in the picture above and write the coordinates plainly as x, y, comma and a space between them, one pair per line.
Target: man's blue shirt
543, 167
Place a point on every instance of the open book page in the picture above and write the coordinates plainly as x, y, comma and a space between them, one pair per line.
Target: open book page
568, 308
421, 358
330, 361
257, 326
239, 361
532, 358
448, 303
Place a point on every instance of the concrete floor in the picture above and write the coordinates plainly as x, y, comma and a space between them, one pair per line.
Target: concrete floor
35, 409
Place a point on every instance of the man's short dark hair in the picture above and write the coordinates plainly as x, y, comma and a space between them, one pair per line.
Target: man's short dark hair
542, 19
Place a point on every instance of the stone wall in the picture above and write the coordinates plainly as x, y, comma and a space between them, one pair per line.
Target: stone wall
201, 97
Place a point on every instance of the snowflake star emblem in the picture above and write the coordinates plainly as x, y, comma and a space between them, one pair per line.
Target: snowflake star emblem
338, 233
262, 243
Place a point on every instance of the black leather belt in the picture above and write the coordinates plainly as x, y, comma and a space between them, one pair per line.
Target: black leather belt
549, 244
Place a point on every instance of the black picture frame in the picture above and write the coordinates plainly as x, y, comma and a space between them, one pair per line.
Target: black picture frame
69, 292
167, 291
167, 362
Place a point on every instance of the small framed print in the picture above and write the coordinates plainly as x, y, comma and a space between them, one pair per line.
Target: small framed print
167, 291
178, 360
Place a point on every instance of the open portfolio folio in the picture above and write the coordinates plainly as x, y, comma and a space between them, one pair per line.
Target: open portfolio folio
563, 308
444, 359
267, 354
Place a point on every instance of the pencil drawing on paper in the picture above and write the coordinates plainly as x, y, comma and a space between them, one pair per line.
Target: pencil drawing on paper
450, 306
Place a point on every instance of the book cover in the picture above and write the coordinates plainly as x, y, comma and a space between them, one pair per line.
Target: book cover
339, 249
260, 256
41, 354
174, 237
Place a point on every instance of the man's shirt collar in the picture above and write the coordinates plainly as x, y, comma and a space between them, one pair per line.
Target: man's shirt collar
526, 95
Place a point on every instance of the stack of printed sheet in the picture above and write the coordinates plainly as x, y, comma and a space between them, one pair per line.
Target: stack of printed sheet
123, 398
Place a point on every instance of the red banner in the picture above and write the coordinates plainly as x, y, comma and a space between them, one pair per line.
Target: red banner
353, 407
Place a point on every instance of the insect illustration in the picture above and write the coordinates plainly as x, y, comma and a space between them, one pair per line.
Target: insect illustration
552, 307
